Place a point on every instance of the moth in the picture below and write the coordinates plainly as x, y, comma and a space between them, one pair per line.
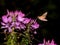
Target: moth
43, 17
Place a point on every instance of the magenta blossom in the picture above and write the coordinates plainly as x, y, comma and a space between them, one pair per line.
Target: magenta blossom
35, 32
19, 13
16, 25
6, 19
34, 24
48, 42
20, 19
17, 20
26, 20
6, 26
52, 43
13, 19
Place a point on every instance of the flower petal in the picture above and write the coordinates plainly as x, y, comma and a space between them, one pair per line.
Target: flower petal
21, 14
3, 23
35, 26
10, 19
5, 19
22, 26
35, 32
12, 24
17, 23
20, 18
52, 43
16, 12
9, 29
17, 27
10, 14
3, 27
26, 21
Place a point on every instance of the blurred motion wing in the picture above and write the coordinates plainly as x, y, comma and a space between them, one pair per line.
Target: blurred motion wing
43, 17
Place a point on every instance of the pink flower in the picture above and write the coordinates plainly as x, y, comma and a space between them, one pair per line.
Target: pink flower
26, 20
17, 23
7, 27
19, 13
16, 13
35, 32
10, 13
9, 19
3, 23
5, 19
35, 25
19, 18
48, 43
52, 42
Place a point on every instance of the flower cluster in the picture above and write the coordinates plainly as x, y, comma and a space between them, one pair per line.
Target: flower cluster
17, 20
48, 42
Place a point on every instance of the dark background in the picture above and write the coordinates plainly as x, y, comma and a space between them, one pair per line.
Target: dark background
49, 29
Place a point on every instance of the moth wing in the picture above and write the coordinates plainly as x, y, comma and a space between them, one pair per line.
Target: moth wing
43, 17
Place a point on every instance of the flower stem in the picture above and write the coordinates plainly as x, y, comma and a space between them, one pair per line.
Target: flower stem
26, 39
12, 38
